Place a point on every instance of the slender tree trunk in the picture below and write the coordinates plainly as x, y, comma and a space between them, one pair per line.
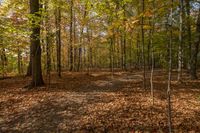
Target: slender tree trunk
169, 70
58, 38
111, 57
3, 61
71, 37
152, 54
48, 47
74, 40
143, 46
37, 79
19, 62
81, 50
189, 33
90, 49
29, 69
180, 48
122, 52
148, 56
195, 50
124, 40
138, 51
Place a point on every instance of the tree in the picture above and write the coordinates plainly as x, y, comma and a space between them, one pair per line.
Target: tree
58, 37
143, 45
170, 68
180, 48
195, 50
37, 79
189, 31
71, 59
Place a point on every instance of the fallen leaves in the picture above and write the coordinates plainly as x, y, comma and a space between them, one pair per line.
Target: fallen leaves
97, 104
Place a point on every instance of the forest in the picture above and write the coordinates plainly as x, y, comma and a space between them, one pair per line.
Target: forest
99, 66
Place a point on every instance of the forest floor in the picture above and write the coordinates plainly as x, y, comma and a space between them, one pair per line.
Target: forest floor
98, 102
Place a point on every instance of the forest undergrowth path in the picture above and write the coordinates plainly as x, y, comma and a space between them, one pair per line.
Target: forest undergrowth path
97, 102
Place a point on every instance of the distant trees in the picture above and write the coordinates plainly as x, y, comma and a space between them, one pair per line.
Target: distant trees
114, 34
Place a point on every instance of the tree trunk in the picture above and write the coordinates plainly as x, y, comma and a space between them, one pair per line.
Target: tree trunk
37, 79
189, 34
169, 70
111, 57
3, 62
71, 37
48, 47
152, 54
195, 50
19, 62
74, 40
180, 48
29, 69
143, 47
81, 50
58, 39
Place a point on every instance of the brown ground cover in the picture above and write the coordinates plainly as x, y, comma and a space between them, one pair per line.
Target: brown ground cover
98, 102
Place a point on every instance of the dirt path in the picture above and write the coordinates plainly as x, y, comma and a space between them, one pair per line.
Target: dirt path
97, 103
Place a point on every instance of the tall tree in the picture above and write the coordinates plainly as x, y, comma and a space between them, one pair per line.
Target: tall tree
48, 46
143, 45
195, 50
189, 32
37, 79
71, 59
152, 52
58, 37
180, 48
170, 67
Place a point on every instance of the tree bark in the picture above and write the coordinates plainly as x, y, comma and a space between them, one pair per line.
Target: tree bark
58, 39
195, 50
37, 79
170, 70
71, 38
19, 62
29, 69
143, 46
189, 33
180, 48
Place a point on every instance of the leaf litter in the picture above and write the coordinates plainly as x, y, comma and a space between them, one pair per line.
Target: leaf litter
97, 103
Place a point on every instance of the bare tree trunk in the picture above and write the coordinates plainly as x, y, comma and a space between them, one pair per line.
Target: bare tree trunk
71, 37
138, 51
19, 62
37, 79
58, 38
180, 48
152, 54
3, 62
195, 50
169, 70
80, 51
29, 69
111, 57
143, 46
122, 52
74, 40
48, 46
189, 33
